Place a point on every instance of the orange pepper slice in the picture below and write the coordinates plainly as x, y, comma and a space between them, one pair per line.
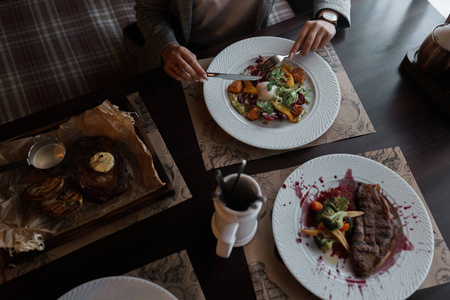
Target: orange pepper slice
249, 88
290, 82
283, 109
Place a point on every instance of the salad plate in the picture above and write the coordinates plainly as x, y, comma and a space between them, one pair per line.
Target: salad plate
275, 135
329, 275
118, 287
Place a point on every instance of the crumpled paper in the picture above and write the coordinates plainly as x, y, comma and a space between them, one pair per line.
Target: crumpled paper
22, 226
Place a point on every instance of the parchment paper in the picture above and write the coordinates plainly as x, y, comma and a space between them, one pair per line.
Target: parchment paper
272, 280
219, 149
22, 223
181, 193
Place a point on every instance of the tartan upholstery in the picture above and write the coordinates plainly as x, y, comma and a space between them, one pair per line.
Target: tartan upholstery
55, 50
281, 11
52, 51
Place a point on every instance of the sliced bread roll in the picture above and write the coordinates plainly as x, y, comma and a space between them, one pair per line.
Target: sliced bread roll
45, 189
65, 204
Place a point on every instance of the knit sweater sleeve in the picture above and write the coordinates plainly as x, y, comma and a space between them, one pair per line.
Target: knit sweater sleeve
340, 6
155, 22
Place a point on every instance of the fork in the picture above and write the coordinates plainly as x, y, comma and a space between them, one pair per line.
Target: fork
273, 61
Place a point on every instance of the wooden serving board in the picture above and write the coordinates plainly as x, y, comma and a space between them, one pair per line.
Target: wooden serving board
62, 238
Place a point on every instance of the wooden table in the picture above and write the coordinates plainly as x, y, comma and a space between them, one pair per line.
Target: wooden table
371, 52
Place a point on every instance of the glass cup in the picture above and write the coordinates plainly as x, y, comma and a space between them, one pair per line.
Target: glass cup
432, 58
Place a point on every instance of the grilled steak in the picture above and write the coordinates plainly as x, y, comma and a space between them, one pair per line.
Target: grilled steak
99, 186
374, 232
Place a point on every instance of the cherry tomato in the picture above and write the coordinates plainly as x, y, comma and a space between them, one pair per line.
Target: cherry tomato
345, 227
316, 206
321, 227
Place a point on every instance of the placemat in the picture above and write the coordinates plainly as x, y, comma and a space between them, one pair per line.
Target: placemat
181, 194
219, 149
271, 278
174, 273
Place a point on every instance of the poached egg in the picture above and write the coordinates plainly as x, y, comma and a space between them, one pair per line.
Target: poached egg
263, 93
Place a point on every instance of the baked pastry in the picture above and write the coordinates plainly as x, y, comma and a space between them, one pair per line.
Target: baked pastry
66, 203
100, 170
45, 189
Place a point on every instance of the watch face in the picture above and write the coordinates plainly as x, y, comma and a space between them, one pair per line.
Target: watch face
330, 16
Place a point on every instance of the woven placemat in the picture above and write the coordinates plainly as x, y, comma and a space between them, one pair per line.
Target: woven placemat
174, 273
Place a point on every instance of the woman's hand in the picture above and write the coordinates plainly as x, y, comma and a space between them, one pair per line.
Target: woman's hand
314, 35
181, 64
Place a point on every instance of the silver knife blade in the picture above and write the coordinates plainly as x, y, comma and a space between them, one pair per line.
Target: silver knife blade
234, 76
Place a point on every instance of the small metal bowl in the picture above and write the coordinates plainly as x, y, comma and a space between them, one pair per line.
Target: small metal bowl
45, 154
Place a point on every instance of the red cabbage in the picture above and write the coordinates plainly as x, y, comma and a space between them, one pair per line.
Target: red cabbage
301, 99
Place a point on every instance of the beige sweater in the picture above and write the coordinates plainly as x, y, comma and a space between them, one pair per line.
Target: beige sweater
215, 21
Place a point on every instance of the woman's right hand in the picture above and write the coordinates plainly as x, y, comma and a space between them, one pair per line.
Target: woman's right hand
314, 35
181, 64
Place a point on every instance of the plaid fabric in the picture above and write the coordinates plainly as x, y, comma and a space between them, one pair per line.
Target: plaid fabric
281, 11
52, 51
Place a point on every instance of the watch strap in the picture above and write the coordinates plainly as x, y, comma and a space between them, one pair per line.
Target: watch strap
329, 21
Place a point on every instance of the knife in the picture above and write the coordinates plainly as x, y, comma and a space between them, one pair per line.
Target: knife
234, 76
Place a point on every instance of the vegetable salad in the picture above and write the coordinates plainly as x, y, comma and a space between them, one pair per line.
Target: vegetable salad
279, 95
335, 223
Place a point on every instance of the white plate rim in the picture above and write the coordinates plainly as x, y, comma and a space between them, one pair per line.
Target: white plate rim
401, 281
327, 96
115, 282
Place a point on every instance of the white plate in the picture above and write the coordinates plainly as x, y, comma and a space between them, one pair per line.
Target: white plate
118, 287
332, 278
276, 135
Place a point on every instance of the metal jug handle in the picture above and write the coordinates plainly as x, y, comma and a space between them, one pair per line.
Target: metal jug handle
14, 165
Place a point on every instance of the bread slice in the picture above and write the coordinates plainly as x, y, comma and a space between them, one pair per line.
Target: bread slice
65, 204
45, 189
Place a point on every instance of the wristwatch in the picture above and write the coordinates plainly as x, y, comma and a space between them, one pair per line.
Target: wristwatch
329, 17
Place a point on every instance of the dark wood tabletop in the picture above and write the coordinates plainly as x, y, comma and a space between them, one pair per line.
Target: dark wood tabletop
403, 114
